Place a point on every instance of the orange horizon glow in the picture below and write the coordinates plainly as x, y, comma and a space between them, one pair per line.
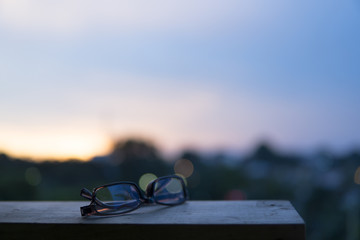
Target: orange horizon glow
61, 157
55, 145
84, 145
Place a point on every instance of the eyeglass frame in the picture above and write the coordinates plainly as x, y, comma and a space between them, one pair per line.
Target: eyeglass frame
146, 198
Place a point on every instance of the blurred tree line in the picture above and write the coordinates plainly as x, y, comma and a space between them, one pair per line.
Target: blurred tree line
324, 188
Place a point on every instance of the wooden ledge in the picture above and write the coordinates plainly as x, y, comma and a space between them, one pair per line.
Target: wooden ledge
192, 220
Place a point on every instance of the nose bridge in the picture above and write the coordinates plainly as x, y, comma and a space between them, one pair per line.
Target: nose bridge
149, 193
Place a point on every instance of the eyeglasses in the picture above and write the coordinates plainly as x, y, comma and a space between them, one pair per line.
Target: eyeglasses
123, 197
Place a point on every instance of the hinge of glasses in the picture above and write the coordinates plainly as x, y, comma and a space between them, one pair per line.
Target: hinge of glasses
87, 210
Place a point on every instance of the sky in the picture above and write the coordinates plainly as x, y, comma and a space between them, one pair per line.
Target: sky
206, 74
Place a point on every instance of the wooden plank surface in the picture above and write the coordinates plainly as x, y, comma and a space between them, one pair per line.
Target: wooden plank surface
192, 220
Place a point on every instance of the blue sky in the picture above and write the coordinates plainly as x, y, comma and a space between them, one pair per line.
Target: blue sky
208, 74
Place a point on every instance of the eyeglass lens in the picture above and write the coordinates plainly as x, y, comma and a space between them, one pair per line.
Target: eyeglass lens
117, 198
169, 191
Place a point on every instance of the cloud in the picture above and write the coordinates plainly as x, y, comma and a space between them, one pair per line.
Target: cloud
106, 105
70, 17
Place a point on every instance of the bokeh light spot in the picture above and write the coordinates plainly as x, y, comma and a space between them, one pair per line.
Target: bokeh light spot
174, 186
145, 179
33, 176
183, 178
184, 167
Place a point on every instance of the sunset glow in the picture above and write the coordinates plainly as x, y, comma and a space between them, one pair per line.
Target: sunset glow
55, 145
75, 76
